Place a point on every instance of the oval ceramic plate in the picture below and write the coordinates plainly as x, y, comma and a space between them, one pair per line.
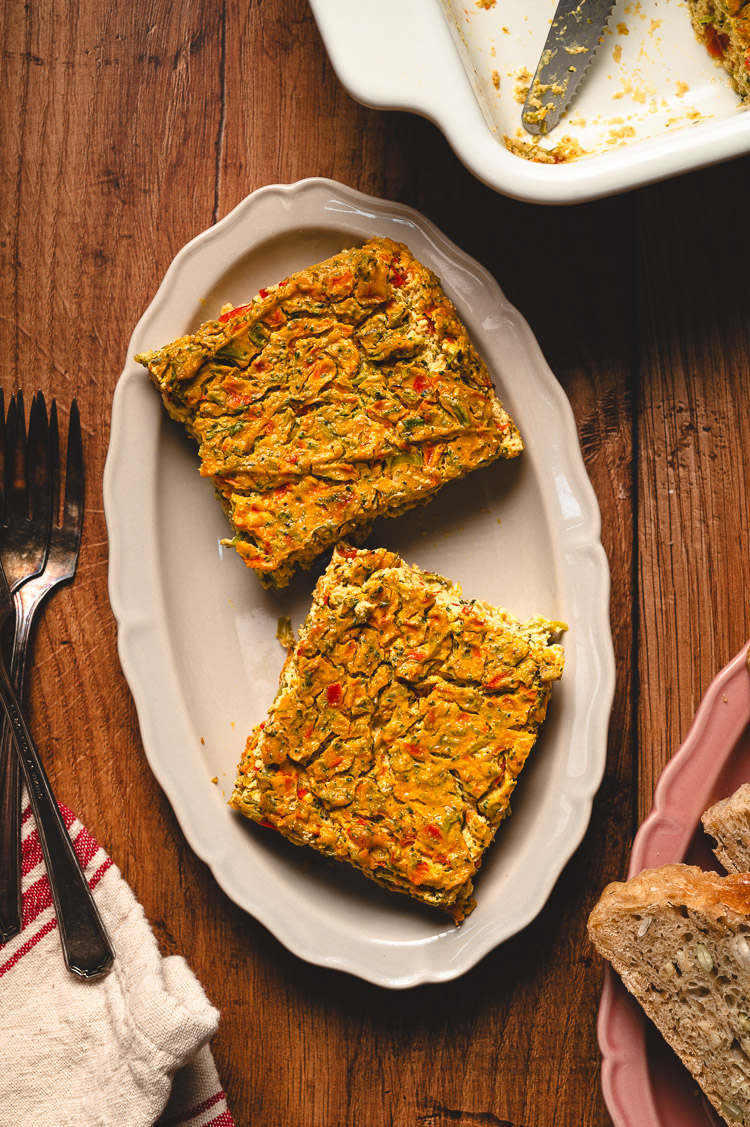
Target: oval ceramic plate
197, 631
653, 103
643, 1081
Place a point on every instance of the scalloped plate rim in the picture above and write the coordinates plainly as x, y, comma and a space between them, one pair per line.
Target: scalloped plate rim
130, 626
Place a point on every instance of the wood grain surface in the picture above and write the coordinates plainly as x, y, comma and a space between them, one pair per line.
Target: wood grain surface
126, 130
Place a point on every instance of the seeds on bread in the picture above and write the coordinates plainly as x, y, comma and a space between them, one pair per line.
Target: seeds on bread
680, 940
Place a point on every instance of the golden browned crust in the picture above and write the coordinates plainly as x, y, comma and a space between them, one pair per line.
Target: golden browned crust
728, 821
704, 891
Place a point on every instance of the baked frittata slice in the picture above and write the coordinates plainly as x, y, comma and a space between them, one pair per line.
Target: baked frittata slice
348, 391
724, 27
403, 718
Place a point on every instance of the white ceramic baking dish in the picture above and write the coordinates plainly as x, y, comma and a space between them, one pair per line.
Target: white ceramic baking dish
653, 104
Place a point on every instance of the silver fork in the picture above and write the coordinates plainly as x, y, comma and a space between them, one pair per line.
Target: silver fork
86, 947
25, 516
61, 545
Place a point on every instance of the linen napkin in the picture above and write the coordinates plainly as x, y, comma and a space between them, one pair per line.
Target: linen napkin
121, 1051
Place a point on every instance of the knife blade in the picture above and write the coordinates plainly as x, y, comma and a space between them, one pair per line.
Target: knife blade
574, 36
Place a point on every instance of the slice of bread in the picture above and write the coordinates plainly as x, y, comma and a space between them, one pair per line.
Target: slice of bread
728, 822
680, 940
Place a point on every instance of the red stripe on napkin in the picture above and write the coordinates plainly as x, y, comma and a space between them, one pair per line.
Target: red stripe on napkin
196, 1086
192, 1112
94, 880
28, 945
67, 814
195, 1115
31, 853
85, 846
36, 898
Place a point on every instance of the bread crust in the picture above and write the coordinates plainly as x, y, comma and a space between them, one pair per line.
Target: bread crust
679, 938
728, 821
695, 888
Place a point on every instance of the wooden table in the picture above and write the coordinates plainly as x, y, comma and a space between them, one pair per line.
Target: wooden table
127, 129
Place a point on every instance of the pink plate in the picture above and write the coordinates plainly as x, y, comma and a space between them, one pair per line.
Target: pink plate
644, 1083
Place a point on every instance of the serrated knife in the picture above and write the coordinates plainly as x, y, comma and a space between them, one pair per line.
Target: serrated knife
574, 36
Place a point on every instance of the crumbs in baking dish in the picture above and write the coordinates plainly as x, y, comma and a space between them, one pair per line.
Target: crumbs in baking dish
567, 149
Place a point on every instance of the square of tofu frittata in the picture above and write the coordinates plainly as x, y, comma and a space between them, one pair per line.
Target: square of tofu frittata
348, 391
403, 718
724, 27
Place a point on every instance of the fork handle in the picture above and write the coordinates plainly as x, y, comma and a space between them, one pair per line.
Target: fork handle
10, 774
86, 947
27, 601
10, 838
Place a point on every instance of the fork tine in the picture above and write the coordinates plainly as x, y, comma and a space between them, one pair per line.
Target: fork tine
9, 465
39, 499
2, 456
54, 462
73, 520
15, 479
